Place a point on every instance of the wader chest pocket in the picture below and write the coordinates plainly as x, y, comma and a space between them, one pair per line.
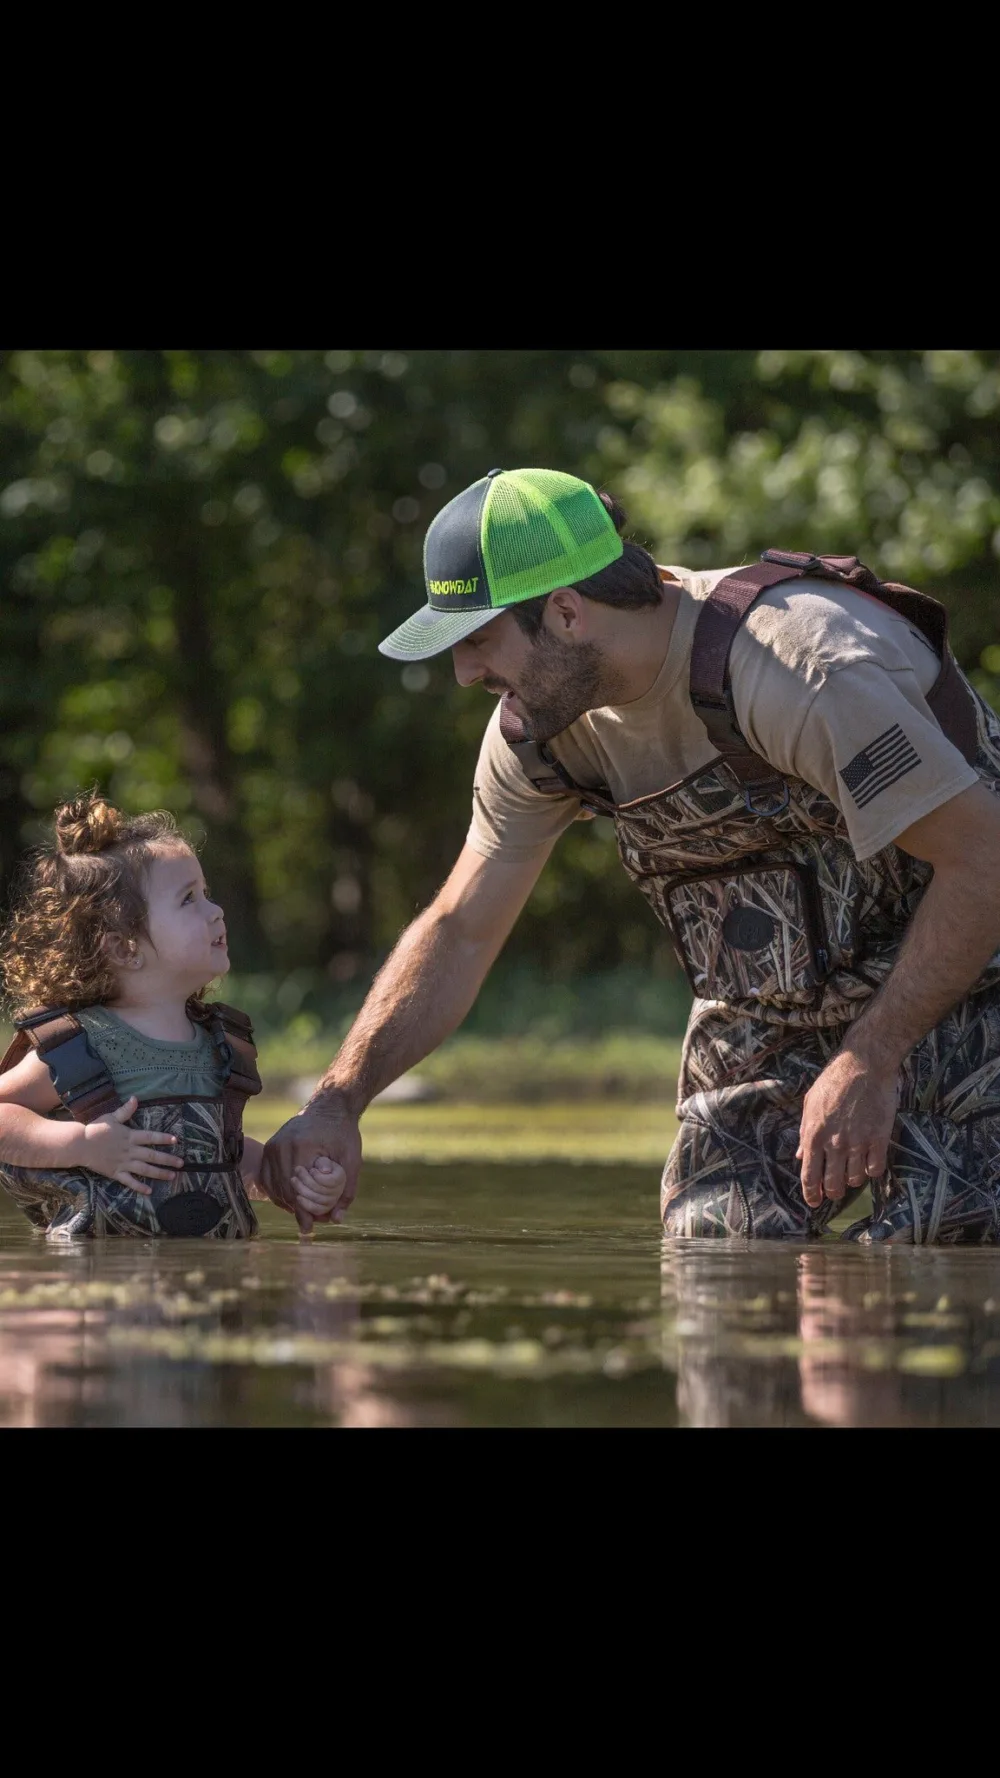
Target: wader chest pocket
750, 934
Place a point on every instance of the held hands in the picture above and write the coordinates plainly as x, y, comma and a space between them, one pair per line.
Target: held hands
847, 1119
118, 1152
324, 1129
317, 1190
129, 1156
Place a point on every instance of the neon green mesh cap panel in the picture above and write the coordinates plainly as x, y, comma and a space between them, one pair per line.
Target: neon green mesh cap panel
541, 529
515, 534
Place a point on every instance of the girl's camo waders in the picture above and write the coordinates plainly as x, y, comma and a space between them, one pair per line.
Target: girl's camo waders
205, 1197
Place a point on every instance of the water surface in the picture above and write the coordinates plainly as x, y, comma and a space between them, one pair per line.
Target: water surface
494, 1296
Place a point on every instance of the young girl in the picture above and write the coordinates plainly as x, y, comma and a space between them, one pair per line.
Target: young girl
121, 1097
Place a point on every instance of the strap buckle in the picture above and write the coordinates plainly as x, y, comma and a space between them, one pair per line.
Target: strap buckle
781, 785
29, 1020
791, 558
75, 1070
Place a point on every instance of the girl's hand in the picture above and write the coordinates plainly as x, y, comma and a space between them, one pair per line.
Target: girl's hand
120, 1153
317, 1189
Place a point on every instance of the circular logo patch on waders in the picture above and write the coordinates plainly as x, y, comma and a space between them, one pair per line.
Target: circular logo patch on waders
748, 929
186, 1213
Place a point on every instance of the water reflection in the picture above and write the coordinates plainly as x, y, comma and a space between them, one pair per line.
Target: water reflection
483, 1296
495, 1296
826, 1335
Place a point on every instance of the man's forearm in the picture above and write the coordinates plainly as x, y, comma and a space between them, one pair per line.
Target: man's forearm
423, 992
420, 996
952, 936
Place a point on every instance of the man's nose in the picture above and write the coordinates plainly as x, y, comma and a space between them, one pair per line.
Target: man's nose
468, 668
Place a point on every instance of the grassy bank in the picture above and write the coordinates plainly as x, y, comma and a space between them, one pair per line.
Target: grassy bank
579, 1131
493, 1070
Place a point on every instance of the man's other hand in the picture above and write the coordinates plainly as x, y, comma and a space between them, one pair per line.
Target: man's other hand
847, 1119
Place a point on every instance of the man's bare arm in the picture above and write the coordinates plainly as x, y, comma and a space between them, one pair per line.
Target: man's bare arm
428, 985
849, 1111
422, 993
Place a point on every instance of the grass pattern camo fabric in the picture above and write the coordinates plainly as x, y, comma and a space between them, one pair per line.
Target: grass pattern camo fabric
732, 1170
75, 1203
786, 935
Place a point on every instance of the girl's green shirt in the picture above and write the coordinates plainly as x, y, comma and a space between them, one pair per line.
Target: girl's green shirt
148, 1067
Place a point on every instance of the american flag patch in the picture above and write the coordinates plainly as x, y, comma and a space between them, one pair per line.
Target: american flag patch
883, 762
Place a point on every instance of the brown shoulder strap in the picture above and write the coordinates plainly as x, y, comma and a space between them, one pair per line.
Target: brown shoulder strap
725, 609
711, 695
81, 1079
544, 771
232, 1034
948, 697
15, 1052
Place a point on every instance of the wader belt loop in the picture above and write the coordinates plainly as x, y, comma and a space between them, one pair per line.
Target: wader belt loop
211, 1166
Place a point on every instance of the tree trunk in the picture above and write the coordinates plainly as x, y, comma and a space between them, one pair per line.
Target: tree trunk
202, 699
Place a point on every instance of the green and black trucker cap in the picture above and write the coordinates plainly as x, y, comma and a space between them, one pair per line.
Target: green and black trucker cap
516, 534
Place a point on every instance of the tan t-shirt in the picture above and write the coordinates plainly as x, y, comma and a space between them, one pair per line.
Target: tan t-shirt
828, 685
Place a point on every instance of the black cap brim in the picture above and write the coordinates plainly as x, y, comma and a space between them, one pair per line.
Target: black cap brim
429, 632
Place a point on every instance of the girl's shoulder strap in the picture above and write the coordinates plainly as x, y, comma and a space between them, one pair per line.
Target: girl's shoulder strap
232, 1034
81, 1078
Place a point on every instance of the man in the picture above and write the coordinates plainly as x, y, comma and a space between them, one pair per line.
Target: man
802, 785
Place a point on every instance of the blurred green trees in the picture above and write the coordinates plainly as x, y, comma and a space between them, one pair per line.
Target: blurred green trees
200, 551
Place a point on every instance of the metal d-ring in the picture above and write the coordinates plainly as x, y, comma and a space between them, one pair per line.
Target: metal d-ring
751, 806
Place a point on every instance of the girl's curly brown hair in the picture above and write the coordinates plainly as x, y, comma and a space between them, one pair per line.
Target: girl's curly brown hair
90, 887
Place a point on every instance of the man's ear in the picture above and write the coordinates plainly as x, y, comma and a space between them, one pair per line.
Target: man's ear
564, 611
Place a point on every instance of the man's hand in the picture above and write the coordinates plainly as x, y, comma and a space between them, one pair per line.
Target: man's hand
317, 1191
325, 1128
848, 1113
111, 1147
847, 1119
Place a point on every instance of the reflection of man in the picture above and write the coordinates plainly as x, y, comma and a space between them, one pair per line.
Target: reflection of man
800, 780
791, 1339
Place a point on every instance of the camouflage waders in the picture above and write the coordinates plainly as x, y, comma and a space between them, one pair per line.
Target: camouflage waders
205, 1197
784, 935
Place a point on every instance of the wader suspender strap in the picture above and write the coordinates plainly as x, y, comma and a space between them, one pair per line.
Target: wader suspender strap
544, 771
718, 621
86, 1088
79, 1077
720, 618
232, 1034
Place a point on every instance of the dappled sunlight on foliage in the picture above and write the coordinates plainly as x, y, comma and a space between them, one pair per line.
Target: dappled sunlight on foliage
200, 551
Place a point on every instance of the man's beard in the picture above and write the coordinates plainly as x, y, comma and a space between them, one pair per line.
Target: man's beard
559, 685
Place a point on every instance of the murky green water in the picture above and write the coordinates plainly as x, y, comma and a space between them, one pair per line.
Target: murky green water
494, 1296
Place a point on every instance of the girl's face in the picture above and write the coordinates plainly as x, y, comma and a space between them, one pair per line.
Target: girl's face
186, 929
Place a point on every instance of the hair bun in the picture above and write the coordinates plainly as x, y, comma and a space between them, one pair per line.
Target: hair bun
614, 508
88, 824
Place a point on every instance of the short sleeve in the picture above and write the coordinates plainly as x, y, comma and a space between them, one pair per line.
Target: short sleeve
510, 818
868, 739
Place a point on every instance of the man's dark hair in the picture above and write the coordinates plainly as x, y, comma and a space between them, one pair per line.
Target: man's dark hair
631, 582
